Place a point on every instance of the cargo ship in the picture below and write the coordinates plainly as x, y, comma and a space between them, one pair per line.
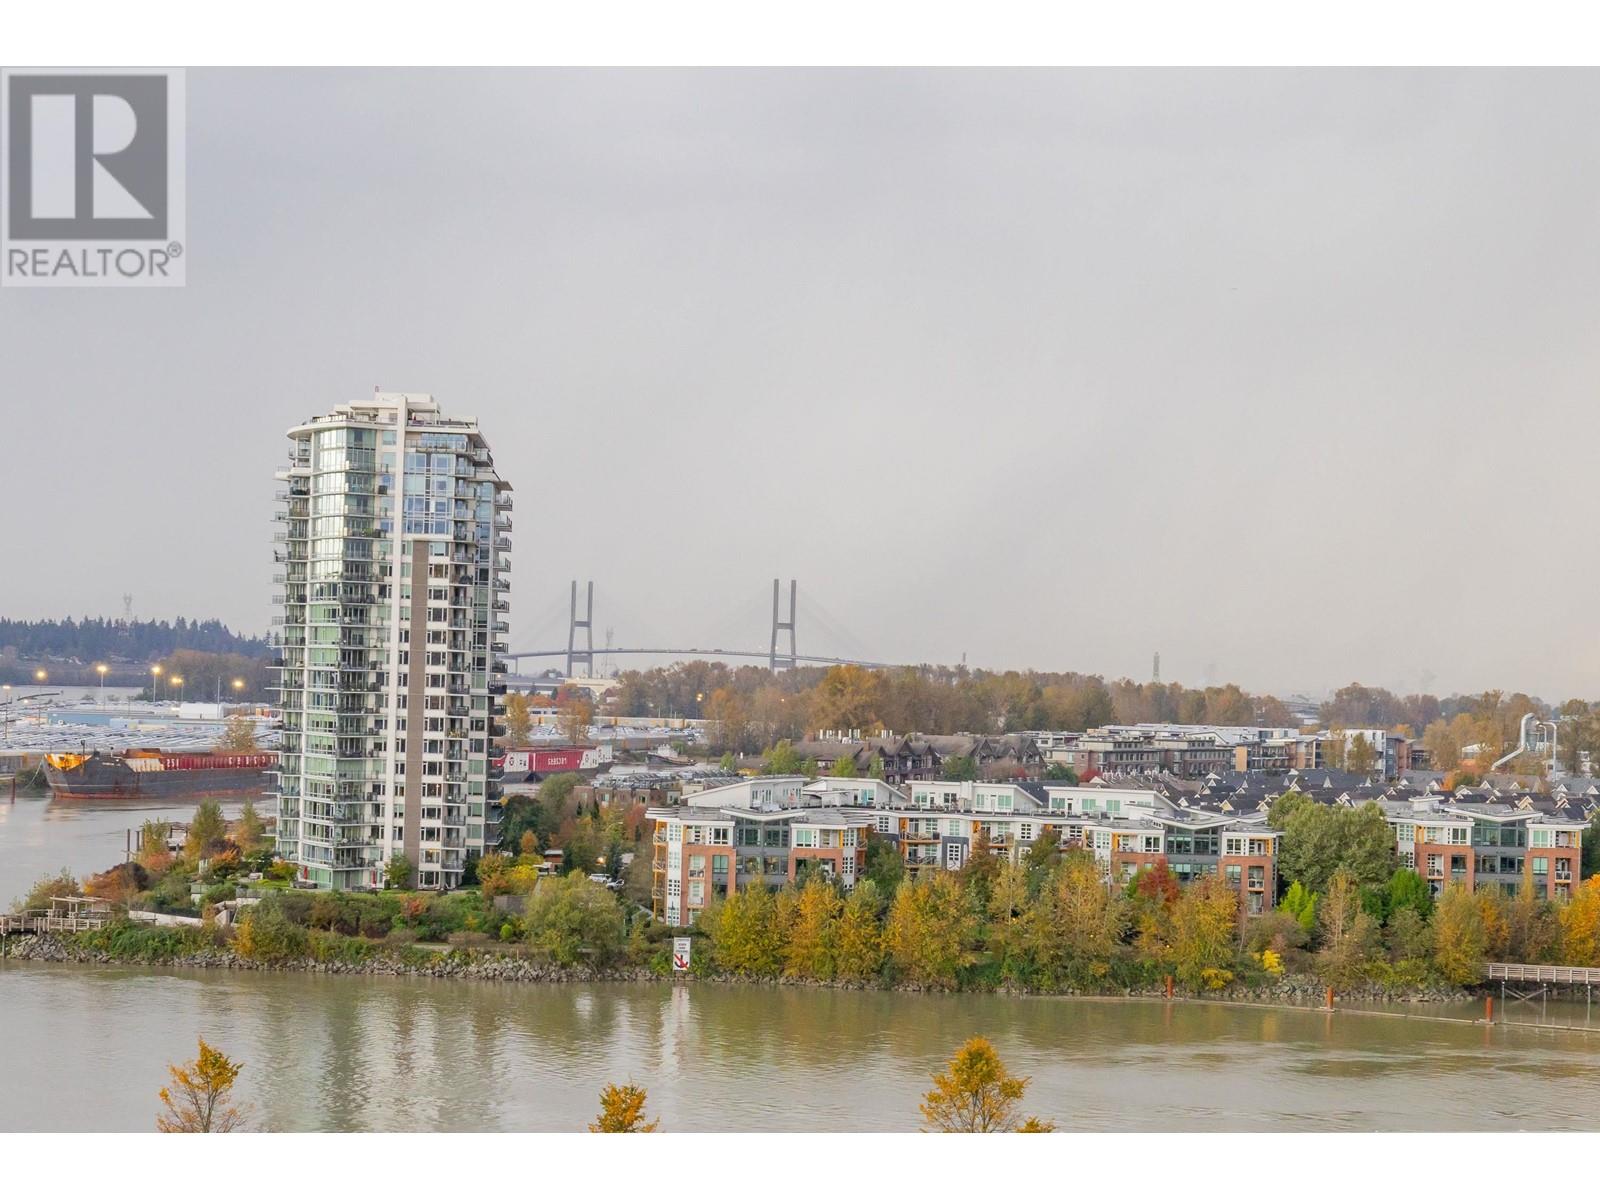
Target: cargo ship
157, 774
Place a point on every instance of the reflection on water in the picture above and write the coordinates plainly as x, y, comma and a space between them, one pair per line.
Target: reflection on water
88, 1046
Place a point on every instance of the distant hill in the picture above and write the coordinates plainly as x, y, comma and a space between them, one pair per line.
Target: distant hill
96, 639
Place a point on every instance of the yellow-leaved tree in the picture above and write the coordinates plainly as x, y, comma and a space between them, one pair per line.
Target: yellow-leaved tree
622, 1111
858, 936
976, 1094
810, 950
200, 1097
1460, 940
931, 929
1580, 926
1205, 929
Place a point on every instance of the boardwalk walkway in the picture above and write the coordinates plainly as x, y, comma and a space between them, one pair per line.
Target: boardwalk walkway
1540, 973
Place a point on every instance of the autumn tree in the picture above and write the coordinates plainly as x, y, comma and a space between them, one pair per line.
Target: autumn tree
931, 929
1010, 938
746, 938
251, 831
238, 735
574, 716
858, 936
622, 1111
519, 719
1205, 927
1078, 923
1458, 936
1360, 755
200, 1097
1533, 927
844, 767
728, 714
1495, 909
976, 1094
847, 698
810, 949
1580, 926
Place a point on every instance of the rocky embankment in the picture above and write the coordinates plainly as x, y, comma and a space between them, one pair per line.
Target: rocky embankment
490, 965
443, 964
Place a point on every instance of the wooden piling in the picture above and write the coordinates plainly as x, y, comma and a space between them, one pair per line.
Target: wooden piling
1169, 987
1488, 1010
1330, 999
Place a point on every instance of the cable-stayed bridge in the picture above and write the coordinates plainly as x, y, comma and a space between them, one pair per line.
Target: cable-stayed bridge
782, 650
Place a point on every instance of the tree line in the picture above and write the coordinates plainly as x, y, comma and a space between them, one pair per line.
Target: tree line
98, 639
752, 707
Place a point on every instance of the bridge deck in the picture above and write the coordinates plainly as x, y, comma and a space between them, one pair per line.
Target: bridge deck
1540, 973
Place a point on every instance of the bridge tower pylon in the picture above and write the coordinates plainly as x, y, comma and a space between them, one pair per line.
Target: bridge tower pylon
775, 660
585, 653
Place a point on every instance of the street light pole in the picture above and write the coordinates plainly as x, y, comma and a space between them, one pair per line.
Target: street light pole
102, 668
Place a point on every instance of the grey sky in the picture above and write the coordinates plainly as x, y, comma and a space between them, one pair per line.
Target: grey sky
1286, 374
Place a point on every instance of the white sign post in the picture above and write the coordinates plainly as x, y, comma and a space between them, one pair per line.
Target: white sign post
680, 953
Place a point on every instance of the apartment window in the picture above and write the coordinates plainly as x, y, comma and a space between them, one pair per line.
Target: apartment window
1233, 876
1025, 832
1541, 839
1435, 865
719, 835
806, 838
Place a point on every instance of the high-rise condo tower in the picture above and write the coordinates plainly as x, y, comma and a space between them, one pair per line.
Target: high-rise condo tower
392, 554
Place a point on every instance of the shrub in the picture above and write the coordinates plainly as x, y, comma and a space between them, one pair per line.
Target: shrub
401, 937
217, 894
266, 935
130, 941
118, 884
571, 917
171, 894
332, 947
467, 938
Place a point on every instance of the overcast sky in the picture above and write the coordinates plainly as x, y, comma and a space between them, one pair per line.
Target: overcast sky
1289, 375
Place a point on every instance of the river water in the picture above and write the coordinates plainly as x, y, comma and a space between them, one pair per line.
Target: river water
85, 1048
